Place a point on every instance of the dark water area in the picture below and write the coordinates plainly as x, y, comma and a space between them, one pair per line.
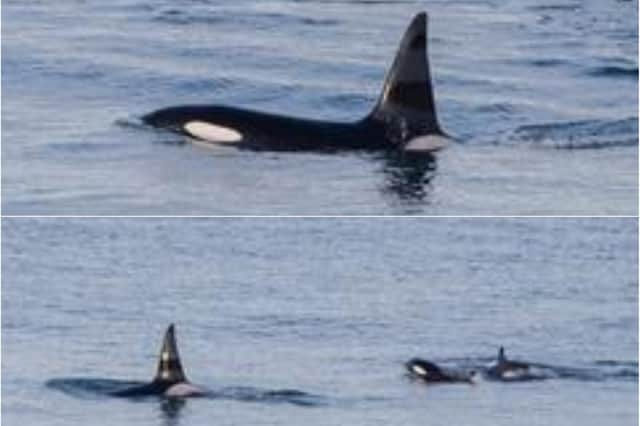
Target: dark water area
310, 321
541, 97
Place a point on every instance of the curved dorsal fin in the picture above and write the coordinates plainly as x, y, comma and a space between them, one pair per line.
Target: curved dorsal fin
169, 365
407, 95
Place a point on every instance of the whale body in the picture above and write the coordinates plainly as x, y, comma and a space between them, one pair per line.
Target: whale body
404, 117
505, 369
170, 380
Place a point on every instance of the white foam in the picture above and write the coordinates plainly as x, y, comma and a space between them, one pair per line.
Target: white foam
212, 132
427, 143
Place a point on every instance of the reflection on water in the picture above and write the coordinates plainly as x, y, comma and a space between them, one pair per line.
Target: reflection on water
170, 410
407, 176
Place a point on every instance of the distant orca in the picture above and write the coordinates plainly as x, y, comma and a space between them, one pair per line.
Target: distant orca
505, 369
431, 373
170, 380
404, 117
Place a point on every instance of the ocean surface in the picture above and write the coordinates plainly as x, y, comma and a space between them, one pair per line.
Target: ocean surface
309, 321
541, 95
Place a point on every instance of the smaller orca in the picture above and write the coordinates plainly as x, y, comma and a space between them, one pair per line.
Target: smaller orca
170, 380
505, 369
403, 119
429, 372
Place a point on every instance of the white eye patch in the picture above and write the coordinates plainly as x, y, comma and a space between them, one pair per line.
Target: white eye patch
419, 370
212, 132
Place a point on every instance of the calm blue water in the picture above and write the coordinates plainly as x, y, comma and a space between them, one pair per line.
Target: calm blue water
542, 96
328, 307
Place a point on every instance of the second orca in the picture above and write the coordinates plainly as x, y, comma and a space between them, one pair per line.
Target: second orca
404, 117
170, 380
429, 372
506, 369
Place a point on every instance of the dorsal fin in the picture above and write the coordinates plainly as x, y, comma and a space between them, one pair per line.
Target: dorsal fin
501, 356
407, 101
169, 365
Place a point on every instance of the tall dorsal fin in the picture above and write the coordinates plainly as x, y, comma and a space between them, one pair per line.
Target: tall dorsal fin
407, 100
501, 356
169, 365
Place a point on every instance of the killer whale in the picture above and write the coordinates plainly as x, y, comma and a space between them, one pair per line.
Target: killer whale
171, 385
170, 379
505, 369
429, 372
403, 118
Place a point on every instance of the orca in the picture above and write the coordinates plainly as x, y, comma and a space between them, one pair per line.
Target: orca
170, 380
429, 372
172, 386
505, 369
404, 117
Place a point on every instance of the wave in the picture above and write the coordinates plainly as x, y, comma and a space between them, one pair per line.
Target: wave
556, 7
547, 62
259, 20
616, 71
131, 122
586, 134
251, 394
